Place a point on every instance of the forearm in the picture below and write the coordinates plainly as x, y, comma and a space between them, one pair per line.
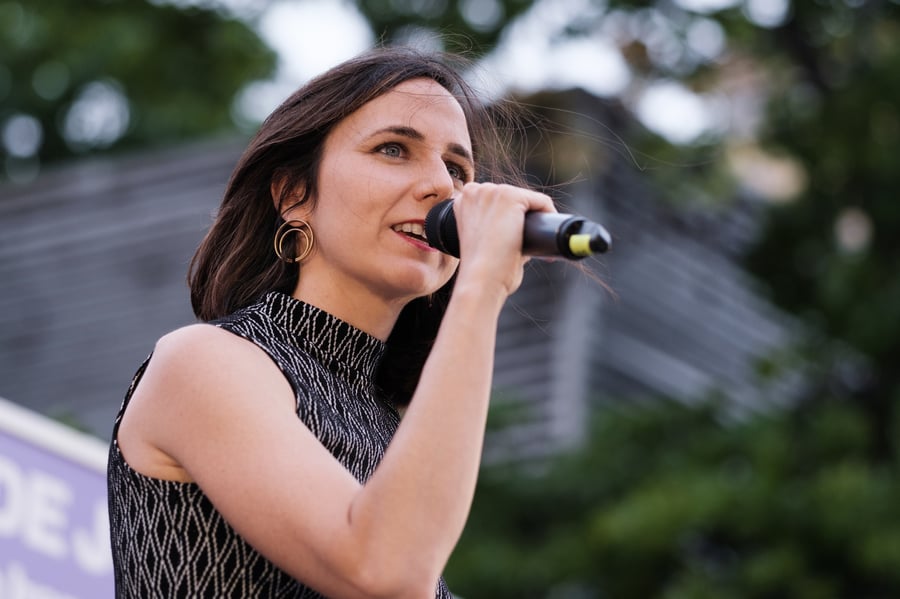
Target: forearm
415, 505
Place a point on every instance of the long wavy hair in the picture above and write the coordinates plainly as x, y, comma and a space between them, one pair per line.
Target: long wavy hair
235, 263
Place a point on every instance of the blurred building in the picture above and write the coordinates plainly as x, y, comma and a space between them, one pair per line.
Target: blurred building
94, 255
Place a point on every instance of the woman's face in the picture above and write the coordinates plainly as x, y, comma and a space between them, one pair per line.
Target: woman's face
383, 167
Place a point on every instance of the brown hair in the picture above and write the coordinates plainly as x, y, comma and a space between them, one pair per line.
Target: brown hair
235, 264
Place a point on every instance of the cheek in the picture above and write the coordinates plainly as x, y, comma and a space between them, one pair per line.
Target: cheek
342, 215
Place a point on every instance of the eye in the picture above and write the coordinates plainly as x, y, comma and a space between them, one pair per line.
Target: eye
457, 172
392, 150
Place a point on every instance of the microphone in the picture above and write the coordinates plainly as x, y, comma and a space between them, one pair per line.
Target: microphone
547, 234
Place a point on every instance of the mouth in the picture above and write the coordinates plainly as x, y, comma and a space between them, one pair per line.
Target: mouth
414, 230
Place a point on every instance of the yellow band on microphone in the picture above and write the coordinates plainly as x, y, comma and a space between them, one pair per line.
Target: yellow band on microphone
580, 245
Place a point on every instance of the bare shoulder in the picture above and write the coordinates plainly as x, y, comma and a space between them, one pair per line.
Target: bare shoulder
199, 376
208, 354
199, 342
202, 361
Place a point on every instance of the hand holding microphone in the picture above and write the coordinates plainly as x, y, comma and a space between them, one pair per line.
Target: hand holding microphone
547, 234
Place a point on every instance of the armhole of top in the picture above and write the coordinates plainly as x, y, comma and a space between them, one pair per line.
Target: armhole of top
134, 383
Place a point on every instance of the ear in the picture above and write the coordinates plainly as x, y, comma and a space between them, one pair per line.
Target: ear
278, 188
287, 201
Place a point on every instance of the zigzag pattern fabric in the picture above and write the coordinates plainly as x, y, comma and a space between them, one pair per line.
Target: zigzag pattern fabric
167, 538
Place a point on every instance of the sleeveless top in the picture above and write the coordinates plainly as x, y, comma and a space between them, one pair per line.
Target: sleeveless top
167, 538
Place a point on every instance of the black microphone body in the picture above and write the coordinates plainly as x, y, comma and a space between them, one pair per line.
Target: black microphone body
545, 234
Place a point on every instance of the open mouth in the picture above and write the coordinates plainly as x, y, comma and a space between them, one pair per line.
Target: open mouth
414, 230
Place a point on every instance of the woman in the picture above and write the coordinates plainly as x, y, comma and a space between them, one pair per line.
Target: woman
261, 454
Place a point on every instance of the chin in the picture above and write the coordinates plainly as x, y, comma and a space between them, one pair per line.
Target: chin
421, 281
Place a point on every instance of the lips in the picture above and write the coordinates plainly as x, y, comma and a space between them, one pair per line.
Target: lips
414, 230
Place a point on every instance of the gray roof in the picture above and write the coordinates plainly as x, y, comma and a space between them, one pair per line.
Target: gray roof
93, 259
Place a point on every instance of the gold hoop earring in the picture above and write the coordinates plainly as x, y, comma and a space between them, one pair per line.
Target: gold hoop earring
302, 228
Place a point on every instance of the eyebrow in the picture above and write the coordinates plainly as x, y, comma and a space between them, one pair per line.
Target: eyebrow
415, 134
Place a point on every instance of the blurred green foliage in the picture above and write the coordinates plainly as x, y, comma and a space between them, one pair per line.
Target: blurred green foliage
832, 256
676, 501
175, 70
463, 26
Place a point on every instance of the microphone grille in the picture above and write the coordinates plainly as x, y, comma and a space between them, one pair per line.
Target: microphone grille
440, 228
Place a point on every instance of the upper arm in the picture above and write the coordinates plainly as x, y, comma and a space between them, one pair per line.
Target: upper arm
220, 408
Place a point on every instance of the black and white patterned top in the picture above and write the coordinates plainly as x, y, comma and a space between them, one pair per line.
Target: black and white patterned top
167, 538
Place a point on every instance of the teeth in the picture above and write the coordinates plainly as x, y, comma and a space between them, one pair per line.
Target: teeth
411, 228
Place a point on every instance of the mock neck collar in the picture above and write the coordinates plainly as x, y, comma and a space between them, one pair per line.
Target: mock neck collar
332, 341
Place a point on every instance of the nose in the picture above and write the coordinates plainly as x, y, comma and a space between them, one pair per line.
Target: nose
435, 182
